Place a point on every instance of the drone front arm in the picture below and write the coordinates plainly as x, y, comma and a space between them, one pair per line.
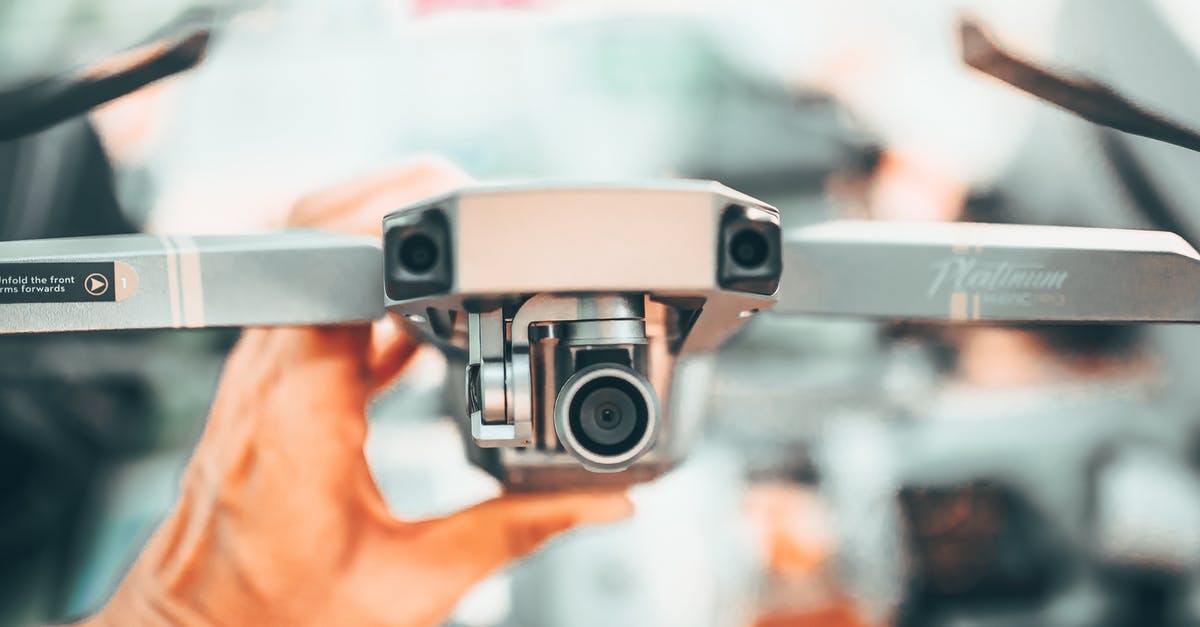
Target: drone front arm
152, 281
963, 272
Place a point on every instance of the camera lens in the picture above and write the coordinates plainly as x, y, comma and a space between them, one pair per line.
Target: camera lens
607, 416
749, 248
418, 253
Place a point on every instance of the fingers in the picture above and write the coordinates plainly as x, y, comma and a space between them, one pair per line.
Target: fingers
266, 360
313, 417
328, 365
273, 370
291, 409
359, 206
289, 397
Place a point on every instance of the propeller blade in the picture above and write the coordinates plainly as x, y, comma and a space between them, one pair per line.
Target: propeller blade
1087, 98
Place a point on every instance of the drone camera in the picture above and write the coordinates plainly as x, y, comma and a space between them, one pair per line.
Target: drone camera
592, 392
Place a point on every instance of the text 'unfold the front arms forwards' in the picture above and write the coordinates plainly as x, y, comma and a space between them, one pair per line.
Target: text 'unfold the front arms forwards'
153, 281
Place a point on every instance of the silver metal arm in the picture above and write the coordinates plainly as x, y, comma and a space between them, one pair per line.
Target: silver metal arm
152, 281
989, 272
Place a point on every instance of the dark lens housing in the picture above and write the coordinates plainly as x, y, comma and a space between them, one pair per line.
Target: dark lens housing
749, 254
417, 254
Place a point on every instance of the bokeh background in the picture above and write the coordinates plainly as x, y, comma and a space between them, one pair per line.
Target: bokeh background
849, 473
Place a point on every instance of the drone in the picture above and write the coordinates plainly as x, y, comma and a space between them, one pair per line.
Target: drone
573, 309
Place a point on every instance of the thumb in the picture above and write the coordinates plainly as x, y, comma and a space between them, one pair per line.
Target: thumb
526, 521
474, 542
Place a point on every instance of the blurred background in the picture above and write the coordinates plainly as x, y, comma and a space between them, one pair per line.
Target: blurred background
849, 472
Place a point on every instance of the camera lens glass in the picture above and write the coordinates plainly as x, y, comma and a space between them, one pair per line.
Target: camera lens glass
749, 248
418, 253
608, 416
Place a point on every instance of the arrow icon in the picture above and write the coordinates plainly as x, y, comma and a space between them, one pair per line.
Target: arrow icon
96, 284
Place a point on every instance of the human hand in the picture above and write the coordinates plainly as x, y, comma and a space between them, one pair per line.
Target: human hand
279, 521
